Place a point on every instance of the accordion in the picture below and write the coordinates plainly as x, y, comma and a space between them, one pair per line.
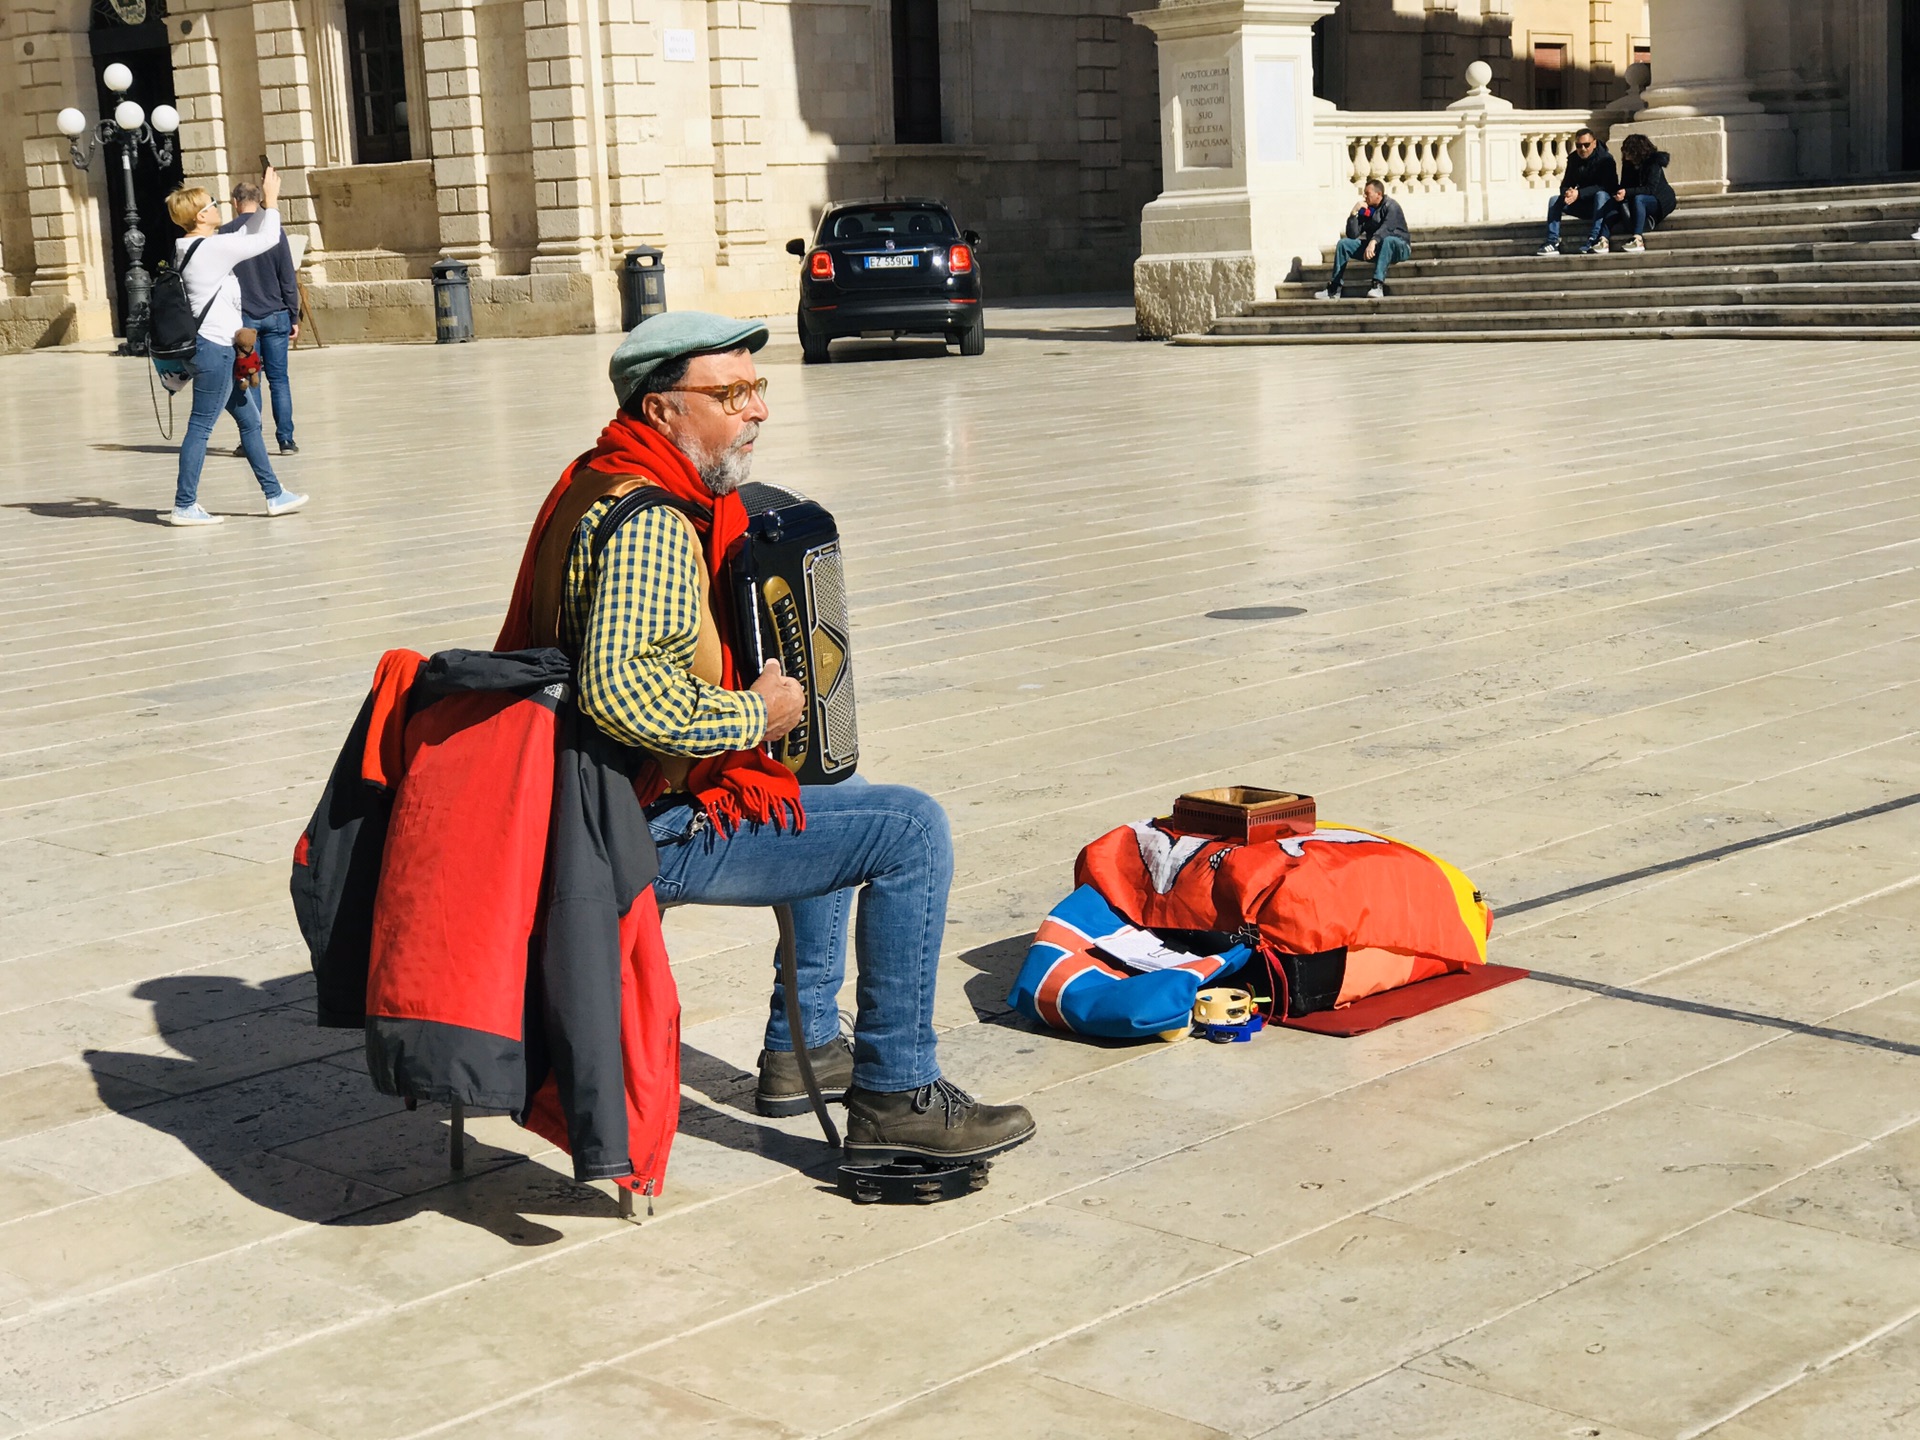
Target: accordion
790, 605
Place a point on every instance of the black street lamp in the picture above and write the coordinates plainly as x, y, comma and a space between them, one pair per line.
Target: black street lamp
131, 129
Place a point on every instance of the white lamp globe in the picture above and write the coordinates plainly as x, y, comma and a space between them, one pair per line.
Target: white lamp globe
166, 119
117, 78
71, 122
128, 115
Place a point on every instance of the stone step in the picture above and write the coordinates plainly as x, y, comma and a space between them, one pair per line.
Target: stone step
1810, 252
1877, 189
1692, 215
1814, 232
1597, 274
1902, 296
1369, 318
1631, 332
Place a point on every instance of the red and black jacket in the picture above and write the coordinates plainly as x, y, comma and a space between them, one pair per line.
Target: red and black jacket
474, 890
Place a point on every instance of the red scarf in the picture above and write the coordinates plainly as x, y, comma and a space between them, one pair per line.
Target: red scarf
741, 784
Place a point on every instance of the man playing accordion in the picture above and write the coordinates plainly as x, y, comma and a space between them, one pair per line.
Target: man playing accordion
636, 611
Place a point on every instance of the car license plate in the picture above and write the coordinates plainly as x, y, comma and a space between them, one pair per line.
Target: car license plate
892, 262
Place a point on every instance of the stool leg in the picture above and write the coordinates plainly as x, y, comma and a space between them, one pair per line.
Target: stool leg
457, 1140
626, 1201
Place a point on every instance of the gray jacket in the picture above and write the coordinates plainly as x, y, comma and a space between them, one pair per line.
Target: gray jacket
1385, 219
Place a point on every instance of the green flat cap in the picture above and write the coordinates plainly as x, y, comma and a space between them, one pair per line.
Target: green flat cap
677, 333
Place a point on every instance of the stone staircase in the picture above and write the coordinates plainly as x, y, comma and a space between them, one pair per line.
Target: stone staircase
1830, 263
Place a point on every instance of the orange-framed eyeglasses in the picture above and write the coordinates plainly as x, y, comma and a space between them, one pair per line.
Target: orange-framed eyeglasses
733, 398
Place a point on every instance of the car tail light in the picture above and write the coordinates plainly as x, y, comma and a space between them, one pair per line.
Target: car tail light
960, 260
820, 267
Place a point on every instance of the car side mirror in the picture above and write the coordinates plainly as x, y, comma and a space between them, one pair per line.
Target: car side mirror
796, 247
972, 237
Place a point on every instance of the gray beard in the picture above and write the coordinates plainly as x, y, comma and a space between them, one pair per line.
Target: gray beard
724, 473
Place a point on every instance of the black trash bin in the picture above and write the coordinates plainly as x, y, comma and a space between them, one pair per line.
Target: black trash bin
643, 286
452, 303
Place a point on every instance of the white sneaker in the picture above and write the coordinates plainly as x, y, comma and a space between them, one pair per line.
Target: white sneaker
1916, 234
1598, 247
194, 515
1327, 294
1376, 291
1637, 246
285, 503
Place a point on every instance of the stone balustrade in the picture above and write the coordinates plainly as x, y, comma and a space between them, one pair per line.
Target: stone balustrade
1453, 167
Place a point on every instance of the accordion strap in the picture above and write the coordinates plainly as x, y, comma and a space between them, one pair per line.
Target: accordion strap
588, 489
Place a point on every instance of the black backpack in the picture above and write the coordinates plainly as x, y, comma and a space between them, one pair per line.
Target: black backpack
172, 328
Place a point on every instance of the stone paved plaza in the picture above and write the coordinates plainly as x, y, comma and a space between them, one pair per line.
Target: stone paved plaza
1569, 616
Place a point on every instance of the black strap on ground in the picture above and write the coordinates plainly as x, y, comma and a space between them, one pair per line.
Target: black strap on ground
1719, 852
796, 1030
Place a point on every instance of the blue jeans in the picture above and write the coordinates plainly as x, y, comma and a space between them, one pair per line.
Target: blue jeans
275, 332
1392, 251
1591, 204
1643, 209
213, 391
889, 839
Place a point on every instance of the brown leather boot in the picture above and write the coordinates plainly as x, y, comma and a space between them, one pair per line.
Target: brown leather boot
936, 1122
781, 1091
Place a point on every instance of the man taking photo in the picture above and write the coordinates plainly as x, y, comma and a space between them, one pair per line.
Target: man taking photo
270, 306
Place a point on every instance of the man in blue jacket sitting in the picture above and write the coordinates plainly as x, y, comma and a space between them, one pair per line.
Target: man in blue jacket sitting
270, 305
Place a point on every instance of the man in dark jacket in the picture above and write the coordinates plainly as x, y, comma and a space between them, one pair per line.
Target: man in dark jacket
1376, 231
1586, 191
1644, 198
270, 304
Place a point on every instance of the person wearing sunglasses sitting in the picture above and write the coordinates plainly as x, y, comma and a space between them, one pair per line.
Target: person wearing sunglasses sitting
1586, 192
637, 612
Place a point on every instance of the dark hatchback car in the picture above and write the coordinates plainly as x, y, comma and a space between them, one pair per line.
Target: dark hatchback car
889, 267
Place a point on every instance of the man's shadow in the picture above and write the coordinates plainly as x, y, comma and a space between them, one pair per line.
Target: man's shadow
88, 507
283, 1111
280, 1110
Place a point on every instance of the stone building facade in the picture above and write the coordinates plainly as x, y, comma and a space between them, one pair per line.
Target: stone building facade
538, 140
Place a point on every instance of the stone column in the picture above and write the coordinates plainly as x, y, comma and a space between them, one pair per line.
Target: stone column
288, 119
1246, 192
569, 134
203, 120
1702, 109
1438, 68
739, 131
1600, 66
53, 69
451, 64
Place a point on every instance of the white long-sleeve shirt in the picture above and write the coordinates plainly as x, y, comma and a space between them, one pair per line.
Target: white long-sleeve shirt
212, 271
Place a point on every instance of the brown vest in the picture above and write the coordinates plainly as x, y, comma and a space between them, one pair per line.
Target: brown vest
588, 489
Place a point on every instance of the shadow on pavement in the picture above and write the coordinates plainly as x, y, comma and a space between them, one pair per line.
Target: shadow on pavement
88, 507
173, 449
997, 963
263, 1099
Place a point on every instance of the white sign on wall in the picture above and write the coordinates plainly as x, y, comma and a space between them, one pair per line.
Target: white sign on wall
1206, 128
1276, 113
679, 45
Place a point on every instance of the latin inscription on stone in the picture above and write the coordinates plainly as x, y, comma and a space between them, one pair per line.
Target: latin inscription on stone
1206, 133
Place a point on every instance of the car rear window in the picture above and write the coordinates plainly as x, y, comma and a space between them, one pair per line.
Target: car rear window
890, 223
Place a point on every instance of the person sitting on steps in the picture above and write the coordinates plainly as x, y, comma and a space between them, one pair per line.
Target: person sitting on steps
1644, 198
1585, 191
1376, 231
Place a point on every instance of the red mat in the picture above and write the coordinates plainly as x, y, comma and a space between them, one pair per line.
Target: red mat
1409, 1000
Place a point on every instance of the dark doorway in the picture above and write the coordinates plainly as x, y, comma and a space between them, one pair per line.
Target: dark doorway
916, 72
1906, 19
378, 58
143, 49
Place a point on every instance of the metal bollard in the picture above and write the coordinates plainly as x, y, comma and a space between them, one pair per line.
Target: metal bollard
452, 303
643, 286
